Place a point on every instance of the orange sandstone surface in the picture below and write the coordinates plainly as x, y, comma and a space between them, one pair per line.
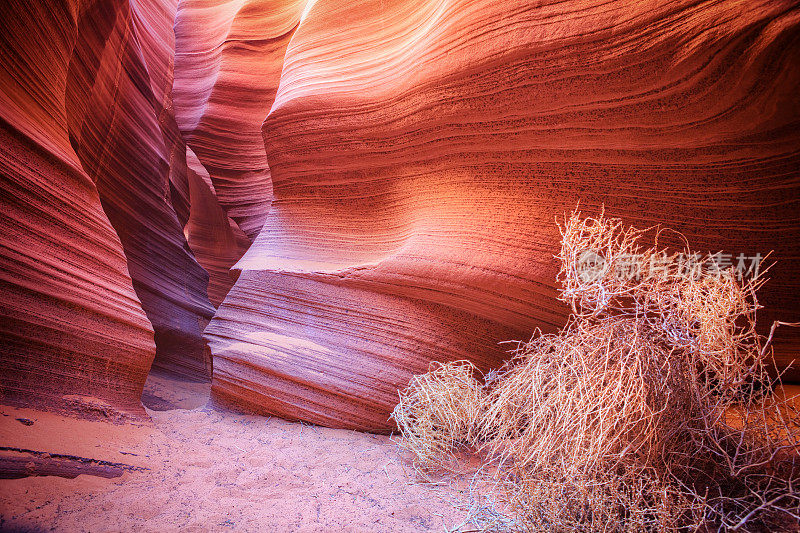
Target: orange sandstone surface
299, 204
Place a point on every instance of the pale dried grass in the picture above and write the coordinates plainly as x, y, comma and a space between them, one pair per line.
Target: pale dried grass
650, 411
438, 414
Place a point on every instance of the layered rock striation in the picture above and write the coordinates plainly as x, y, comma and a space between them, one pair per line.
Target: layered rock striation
228, 63
420, 154
119, 114
383, 179
95, 197
71, 323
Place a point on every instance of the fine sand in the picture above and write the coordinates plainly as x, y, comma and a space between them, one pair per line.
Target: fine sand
210, 469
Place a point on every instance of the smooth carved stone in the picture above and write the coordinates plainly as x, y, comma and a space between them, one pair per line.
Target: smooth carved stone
321, 351
227, 67
421, 152
85, 102
397, 166
120, 130
215, 239
70, 320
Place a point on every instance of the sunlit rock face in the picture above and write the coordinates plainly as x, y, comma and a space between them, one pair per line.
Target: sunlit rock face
420, 153
383, 176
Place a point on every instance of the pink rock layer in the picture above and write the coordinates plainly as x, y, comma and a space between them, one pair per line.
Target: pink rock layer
129, 144
420, 153
227, 67
215, 239
95, 263
70, 321
71, 324
397, 166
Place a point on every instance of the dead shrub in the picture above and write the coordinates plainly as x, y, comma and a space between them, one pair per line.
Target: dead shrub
438, 415
647, 412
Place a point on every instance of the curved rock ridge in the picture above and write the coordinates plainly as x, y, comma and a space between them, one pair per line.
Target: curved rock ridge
129, 144
421, 152
227, 67
86, 106
215, 239
397, 166
71, 324
319, 350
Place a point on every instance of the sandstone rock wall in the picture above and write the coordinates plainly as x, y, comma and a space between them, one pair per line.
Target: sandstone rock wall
420, 153
227, 67
94, 200
128, 143
70, 321
392, 172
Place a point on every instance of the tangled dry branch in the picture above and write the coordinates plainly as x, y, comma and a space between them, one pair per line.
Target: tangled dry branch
652, 410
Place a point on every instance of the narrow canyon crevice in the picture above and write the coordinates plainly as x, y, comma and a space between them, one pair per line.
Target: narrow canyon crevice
188, 180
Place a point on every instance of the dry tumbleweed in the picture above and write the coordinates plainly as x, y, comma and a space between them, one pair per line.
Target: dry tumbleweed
649, 411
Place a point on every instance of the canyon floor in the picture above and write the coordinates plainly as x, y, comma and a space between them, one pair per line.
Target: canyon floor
198, 467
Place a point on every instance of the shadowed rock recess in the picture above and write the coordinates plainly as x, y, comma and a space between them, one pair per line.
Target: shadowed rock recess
321, 197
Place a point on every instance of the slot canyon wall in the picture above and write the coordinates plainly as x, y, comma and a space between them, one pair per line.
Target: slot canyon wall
97, 278
348, 190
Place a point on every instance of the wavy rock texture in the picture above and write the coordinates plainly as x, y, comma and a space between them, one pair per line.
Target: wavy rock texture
90, 138
227, 67
71, 324
421, 151
397, 167
215, 239
129, 144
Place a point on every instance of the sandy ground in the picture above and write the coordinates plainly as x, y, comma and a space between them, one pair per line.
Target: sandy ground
197, 467
210, 469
